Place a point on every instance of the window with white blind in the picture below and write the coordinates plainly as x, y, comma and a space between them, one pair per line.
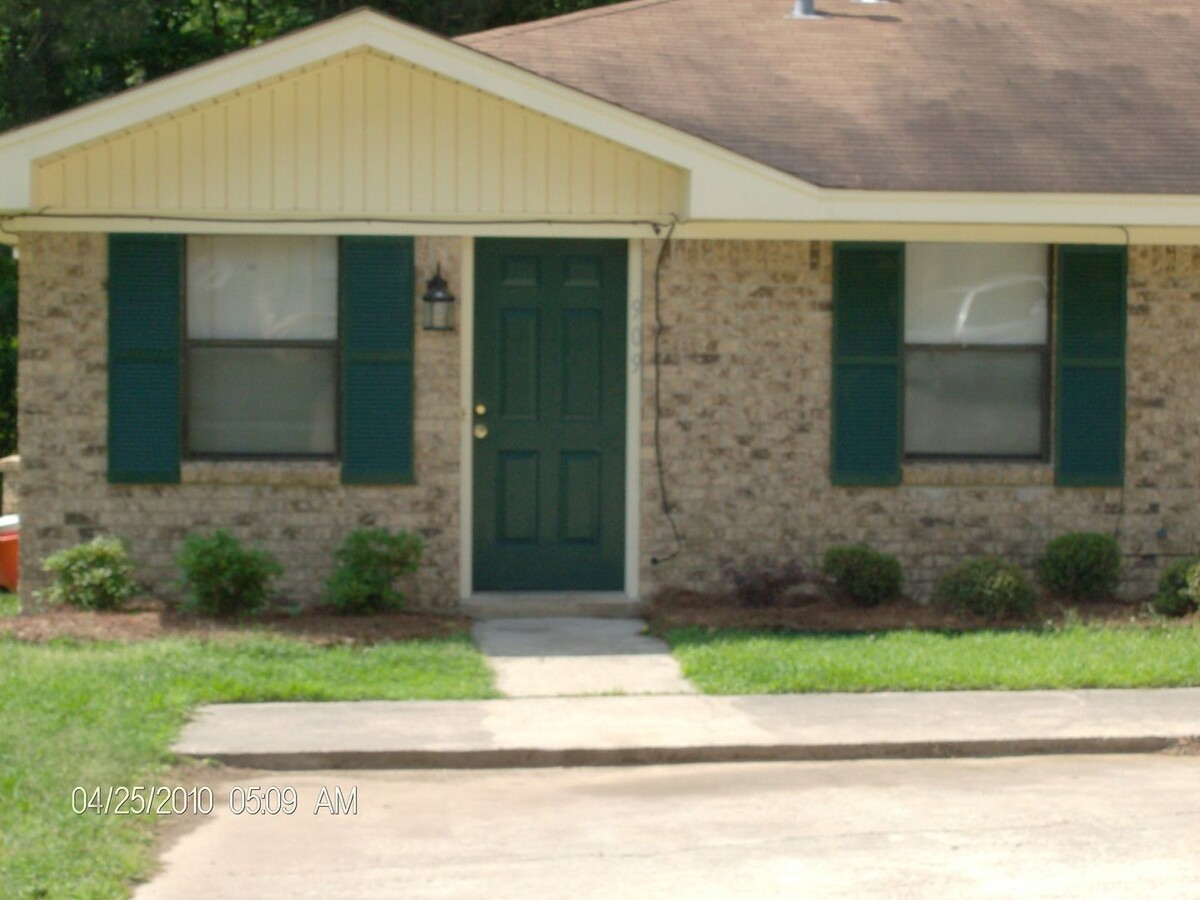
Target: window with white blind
261, 346
976, 355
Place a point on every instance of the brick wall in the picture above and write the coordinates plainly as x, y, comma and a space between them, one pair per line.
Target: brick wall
10, 493
299, 511
745, 429
745, 433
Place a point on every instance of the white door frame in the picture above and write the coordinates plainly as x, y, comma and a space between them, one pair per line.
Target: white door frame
633, 421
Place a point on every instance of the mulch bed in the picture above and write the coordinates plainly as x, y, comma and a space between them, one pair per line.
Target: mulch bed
675, 608
151, 620
671, 608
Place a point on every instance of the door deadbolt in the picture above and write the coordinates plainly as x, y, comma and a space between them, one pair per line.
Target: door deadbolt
480, 410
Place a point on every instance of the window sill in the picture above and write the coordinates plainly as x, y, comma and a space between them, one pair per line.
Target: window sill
937, 473
313, 473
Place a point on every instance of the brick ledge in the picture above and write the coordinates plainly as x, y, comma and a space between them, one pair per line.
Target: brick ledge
304, 472
979, 474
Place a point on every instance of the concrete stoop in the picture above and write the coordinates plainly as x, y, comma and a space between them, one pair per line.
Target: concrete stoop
552, 605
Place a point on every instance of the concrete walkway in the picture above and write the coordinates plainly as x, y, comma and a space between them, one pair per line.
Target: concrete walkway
544, 657
583, 731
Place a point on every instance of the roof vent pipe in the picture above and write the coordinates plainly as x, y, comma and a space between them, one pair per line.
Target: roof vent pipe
805, 9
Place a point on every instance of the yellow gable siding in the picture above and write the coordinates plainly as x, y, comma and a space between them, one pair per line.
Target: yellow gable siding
362, 134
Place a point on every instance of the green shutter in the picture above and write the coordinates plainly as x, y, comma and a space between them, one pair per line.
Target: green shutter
377, 360
1090, 398
145, 273
868, 342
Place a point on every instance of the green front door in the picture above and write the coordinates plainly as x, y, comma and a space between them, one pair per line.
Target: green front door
549, 415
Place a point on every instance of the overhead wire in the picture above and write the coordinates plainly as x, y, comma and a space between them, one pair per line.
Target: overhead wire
656, 225
663, 252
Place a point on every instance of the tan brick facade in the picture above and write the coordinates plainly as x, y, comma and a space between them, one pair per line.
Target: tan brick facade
745, 433
298, 511
10, 494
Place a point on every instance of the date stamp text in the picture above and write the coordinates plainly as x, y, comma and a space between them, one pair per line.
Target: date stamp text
242, 800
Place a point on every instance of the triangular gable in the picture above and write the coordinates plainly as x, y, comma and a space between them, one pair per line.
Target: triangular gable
361, 134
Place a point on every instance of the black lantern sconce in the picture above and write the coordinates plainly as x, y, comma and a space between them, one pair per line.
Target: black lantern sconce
439, 304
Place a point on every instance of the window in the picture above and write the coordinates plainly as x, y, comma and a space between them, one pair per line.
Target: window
976, 355
261, 346
963, 380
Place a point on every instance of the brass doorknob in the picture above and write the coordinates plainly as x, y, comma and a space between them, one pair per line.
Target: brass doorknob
481, 431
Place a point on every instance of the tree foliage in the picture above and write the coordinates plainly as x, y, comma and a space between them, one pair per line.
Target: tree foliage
56, 54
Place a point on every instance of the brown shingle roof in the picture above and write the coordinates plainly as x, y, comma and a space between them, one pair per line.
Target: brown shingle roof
1094, 96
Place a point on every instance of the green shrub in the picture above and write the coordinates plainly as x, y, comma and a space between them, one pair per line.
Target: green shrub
221, 577
986, 586
95, 575
1179, 588
1081, 566
369, 562
862, 575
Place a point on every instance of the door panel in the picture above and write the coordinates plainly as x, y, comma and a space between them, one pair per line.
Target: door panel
583, 371
518, 370
550, 370
517, 520
580, 487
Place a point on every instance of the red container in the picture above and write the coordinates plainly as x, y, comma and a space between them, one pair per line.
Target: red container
10, 552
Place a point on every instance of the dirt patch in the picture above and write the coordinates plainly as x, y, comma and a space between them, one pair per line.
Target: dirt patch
153, 620
674, 608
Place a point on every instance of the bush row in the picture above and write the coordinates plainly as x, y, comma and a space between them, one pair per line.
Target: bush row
222, 577
1074, 567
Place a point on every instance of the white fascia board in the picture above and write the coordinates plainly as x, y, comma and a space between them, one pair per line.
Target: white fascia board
723, 193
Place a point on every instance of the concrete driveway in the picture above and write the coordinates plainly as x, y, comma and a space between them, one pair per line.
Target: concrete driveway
1068, 826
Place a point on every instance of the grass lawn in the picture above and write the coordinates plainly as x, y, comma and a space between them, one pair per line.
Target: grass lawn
105, 714
1074, 656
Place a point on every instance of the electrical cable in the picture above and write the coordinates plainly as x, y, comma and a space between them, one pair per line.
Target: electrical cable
1121, 501
656, 225
658, 454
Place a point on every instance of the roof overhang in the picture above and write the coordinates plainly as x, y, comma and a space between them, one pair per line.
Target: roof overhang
723, 186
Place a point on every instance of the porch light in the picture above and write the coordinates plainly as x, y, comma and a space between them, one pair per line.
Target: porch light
439, 304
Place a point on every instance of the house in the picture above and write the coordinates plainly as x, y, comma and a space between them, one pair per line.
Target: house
922, 274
